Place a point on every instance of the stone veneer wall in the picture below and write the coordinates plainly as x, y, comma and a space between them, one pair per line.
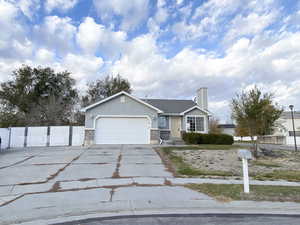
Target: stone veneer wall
154, 136
89, 136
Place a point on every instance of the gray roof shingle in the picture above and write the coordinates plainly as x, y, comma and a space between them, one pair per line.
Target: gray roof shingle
171, 105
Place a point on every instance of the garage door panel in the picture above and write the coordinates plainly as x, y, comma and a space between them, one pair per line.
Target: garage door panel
122, 130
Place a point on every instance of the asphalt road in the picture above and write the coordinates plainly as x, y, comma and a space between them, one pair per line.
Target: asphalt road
192, 220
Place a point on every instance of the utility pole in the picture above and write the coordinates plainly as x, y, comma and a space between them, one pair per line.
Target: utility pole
292, 112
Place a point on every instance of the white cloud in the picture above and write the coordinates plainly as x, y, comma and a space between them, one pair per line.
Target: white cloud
82, 66
250, 25
133, 12
285, 92
22, 49
162, 12
44, 56
29, 7
245, 62
161, 15
92, 37
250, 54
221, 110
214, 17
179, 2
8, 14
62, 5
57, 33
13, 41
7, 11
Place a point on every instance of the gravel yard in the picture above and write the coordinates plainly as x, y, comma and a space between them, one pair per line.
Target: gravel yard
211, 161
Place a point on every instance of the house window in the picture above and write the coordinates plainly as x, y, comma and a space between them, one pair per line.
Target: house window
195, 123
162, 122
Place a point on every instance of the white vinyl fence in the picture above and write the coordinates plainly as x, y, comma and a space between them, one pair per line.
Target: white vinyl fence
4, 134
16, 137
290, 140
37, 136
77, 135
59, 136
243, 138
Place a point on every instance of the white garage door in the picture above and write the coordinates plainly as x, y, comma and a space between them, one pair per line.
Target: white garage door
121, 130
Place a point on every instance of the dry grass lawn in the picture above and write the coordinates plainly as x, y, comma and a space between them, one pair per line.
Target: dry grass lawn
230, 192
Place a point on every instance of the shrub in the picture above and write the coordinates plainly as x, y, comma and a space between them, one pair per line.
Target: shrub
198, 138
191, 138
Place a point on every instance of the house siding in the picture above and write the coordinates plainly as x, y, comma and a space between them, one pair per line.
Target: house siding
115, 107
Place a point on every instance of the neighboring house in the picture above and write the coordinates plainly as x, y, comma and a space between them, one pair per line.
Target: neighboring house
227, 129
125, 119
284, 125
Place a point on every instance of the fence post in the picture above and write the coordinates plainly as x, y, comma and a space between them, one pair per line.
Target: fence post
70, 135
25, 136
48, 137
9, 137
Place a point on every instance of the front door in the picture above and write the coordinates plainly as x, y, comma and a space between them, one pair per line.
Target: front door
175, 126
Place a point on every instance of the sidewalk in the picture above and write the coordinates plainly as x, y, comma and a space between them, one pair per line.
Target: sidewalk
124, 196
9, 193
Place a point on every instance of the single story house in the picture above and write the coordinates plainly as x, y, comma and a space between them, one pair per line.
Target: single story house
125, 119
284, 127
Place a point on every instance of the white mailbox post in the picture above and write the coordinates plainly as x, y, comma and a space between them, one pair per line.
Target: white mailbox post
245, 155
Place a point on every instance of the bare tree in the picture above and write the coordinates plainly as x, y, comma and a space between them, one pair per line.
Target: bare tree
214, 127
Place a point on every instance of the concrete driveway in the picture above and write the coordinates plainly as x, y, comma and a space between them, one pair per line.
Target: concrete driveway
67, 164
38, 185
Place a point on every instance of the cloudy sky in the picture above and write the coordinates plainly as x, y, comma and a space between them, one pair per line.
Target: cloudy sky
166, 48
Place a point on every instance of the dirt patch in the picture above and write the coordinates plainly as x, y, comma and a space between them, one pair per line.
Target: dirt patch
55, 187
228, 161
217, 160
86, 179
225, 163
116, 174
167, 182
167, 162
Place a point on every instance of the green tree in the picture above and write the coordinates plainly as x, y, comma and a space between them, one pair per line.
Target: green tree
101, 89
37, 96
241, 131
255, 112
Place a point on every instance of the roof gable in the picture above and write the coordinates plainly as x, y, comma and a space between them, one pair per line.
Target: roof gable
116, 95
196, 107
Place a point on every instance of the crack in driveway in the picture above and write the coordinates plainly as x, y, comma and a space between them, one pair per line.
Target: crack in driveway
16, 163
52, 176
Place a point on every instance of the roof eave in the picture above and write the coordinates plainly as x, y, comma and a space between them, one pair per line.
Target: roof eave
116, 95
195, 107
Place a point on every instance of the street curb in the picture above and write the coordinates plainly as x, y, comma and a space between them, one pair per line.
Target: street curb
152, 213
176, 215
